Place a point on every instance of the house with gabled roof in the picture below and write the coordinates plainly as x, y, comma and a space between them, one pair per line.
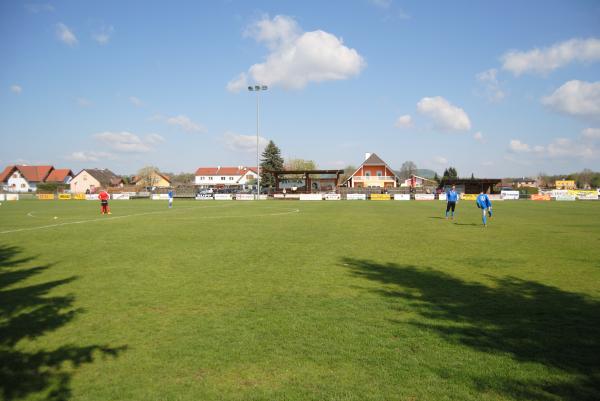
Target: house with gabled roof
373, 172
60, 176
157, 179
23, 178
90, 180
222, 177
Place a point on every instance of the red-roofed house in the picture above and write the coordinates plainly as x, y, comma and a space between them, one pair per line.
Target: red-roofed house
21, 178
60, 176
373, 172
221, 177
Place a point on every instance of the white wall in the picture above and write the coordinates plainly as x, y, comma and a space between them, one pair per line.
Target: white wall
18, 183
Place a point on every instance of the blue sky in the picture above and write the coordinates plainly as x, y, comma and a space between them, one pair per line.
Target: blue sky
506, 88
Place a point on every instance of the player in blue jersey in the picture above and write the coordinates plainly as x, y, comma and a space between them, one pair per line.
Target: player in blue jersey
451, 199
483, 202
170, 198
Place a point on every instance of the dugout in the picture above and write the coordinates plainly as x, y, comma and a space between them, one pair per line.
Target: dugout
472, 185
309, 180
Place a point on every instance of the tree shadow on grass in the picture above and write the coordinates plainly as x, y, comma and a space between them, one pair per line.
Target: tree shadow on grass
28, 312
531, 322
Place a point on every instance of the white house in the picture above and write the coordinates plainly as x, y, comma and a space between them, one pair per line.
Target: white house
19, 178
222, 177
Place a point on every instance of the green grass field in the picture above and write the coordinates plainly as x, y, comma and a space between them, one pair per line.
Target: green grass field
283, 300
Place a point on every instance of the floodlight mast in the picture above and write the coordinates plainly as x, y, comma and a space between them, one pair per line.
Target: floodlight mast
257, 89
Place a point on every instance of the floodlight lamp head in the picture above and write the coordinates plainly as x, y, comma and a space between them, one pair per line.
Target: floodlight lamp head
264, 87
256, 87
250, 88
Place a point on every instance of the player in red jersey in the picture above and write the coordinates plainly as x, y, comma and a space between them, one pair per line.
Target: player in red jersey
104, 197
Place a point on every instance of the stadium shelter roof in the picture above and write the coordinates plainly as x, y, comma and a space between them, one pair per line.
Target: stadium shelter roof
472, 185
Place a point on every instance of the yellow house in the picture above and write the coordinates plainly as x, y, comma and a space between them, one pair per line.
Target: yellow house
565, 184
155, 180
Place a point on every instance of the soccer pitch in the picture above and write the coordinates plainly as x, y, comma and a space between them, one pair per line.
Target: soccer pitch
289, 300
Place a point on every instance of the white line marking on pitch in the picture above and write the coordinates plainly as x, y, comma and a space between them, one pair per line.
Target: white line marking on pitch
140, 214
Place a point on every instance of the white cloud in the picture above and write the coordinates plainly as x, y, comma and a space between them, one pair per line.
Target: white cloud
83, 102
83, 156
65, 35
559, 148
445, 116
517, 146
440, 160
297, 58
154, 139
550, 58
244, 143
127, 142
16, 89
591, 133
185, 123
478, 136
404, 121
103, 35
39, 7
136, 101
489, 80
382, 3
576, 98
238, 84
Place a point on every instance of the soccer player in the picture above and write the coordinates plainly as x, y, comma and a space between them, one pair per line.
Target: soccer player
483, 202
170, 198
104, 197
451, 199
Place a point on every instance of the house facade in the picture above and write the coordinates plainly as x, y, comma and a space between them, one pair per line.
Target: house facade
22, 178
91, 180
373, 172
225, 177
155, 180
418, 182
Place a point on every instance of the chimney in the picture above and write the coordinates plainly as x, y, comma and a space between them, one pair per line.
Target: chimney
367, 155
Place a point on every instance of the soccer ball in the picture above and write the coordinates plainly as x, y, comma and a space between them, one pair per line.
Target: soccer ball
55, 217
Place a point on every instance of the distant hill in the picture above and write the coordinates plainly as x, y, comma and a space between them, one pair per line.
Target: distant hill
425, 173
421, 172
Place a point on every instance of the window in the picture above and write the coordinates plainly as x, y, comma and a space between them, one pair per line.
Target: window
250, 176
15, 175
84, 178
22, 185
210, 178
379, 174
230, 178
201, 178
222, 178
367, 174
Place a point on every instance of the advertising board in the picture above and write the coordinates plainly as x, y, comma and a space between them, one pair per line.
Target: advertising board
204, 197
120, 196
45, 196
223, 197
64, 196
510, 195
311, 197
356, 196
540, 197
442, 197
244, 197
380, 197
424, 197
12, 197
402, 197
332, 197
